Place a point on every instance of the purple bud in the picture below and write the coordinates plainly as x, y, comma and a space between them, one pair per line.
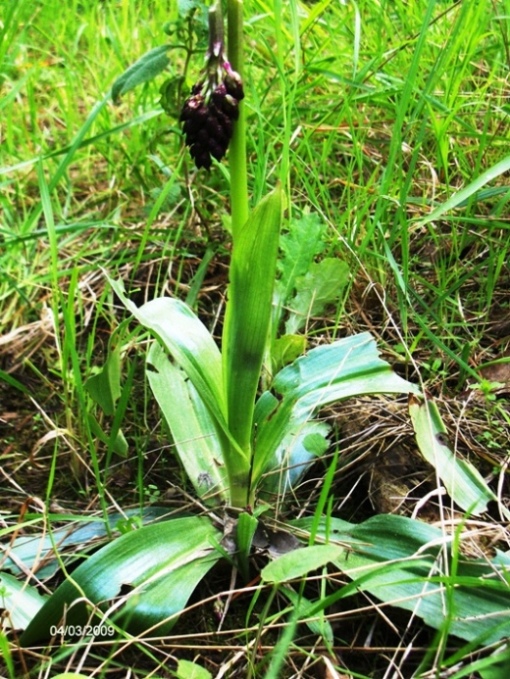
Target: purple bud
217, 131
192, 107
219, 94
216, 149
233, 82
200, 156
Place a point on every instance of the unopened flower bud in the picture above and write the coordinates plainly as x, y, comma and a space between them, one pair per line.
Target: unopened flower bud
213, 105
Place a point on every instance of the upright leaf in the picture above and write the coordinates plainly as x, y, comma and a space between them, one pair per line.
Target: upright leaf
189, 343
195, 434
248, 313
105, 389
104, 386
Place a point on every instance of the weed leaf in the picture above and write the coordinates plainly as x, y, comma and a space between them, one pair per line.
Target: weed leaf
319, 287
146, 68
299, 247
299, 562
104, 387
460, 197
464, 483
190, 670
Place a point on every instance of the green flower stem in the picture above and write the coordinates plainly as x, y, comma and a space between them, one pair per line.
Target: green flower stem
215, 30
237, 152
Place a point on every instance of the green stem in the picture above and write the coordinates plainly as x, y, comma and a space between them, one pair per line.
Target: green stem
240, 487
237, 152
215, 30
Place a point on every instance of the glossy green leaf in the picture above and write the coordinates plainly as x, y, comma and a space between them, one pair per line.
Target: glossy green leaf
146, 68
71, 675
36, 552
19, 601
408, 564
327, 374
195, 434
141, 581
299, 562
463, 482
188, 342
351, 366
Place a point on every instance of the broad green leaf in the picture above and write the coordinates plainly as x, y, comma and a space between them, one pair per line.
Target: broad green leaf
248, 312
297, 450
321, 285
190, 670
299, 562
188, 342
36, 552
71, 675
146, 68
351, 365
194, 432
141, 580
20, 601
327, 374
408, 563
464, 484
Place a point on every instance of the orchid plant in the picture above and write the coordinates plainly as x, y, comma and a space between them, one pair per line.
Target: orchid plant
244, 448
